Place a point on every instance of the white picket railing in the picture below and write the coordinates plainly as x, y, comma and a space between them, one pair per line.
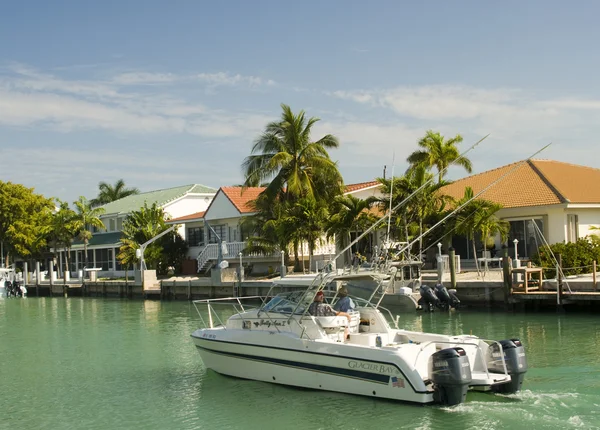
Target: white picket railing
231, 250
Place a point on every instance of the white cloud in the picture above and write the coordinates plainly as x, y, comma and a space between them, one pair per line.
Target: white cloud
226, 78
31, 98
137, 78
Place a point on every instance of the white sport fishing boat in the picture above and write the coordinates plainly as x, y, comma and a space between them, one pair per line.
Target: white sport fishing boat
278, 341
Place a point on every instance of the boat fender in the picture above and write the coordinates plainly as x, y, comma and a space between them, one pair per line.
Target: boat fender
516, 364
378, 341
450, 371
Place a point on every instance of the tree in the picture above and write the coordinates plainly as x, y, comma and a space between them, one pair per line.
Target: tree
349, 214
109, 193
63, 231
267, 228
141, 226
439, 153
425, 202
86, 217
25, 220
295, 166
308, 217
478, 216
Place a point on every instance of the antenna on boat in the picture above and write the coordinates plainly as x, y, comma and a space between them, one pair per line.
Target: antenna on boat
387, 236
515, 167
403, 202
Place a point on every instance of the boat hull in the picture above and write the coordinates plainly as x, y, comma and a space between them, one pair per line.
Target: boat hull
311, 364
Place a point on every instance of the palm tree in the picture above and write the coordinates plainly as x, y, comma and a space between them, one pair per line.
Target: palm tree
490, 225
439, 153
295, 165
86, 217
421, 206
428, 201
349, 214
63, 232
478, 216
109, 193
308, 217
266, 229
139, 227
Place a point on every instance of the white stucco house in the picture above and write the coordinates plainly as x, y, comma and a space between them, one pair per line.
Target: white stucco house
561, 199
224, 216
104, 245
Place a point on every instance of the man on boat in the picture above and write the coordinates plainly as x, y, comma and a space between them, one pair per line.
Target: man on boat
345, 303
319, 309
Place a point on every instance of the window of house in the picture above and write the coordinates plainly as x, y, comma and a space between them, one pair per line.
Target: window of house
527, 234
81, 258
119, 224
73, 261
572, 228
195, 236
104, 259
221, 231
112, 224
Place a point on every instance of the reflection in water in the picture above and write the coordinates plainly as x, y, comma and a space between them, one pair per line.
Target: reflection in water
151, 310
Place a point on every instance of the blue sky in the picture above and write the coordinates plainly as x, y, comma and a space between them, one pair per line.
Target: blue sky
165, 94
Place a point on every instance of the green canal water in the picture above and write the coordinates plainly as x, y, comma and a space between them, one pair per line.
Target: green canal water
118, 364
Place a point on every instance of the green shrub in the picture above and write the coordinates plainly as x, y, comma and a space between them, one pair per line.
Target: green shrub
577, 257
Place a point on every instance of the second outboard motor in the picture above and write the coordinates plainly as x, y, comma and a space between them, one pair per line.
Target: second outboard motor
451, 375
516, 364
447, 298
428, 298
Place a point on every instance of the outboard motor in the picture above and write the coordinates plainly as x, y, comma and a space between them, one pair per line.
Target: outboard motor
451, 375
447, 298
9, 288
454, 301
516, 364
428, 298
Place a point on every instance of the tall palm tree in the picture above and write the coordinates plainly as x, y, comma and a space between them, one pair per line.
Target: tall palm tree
490, 225
109, 193
421, 206
267, 230
478, 216
295, 165
308, 217
426, 202
439, 153
86, 217
349, 214
63, 232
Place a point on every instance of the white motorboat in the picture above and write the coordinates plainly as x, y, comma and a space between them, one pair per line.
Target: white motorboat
10, 286
277, 341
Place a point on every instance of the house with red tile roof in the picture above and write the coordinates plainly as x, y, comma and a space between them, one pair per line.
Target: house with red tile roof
562, 200
222, 219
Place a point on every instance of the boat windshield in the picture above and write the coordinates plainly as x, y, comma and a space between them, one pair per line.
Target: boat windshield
286, 303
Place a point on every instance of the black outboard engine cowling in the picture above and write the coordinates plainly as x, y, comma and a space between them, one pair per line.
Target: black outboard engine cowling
442, 293
451, 375
516, 364
454, 301
428, 297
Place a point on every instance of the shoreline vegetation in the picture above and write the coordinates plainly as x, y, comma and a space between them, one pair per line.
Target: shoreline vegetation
302, 203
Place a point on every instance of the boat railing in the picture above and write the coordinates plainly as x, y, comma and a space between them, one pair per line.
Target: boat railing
423, 345
239, 309
232, 302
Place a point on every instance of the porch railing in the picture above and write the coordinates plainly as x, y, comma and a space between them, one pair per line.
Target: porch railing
211, 252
